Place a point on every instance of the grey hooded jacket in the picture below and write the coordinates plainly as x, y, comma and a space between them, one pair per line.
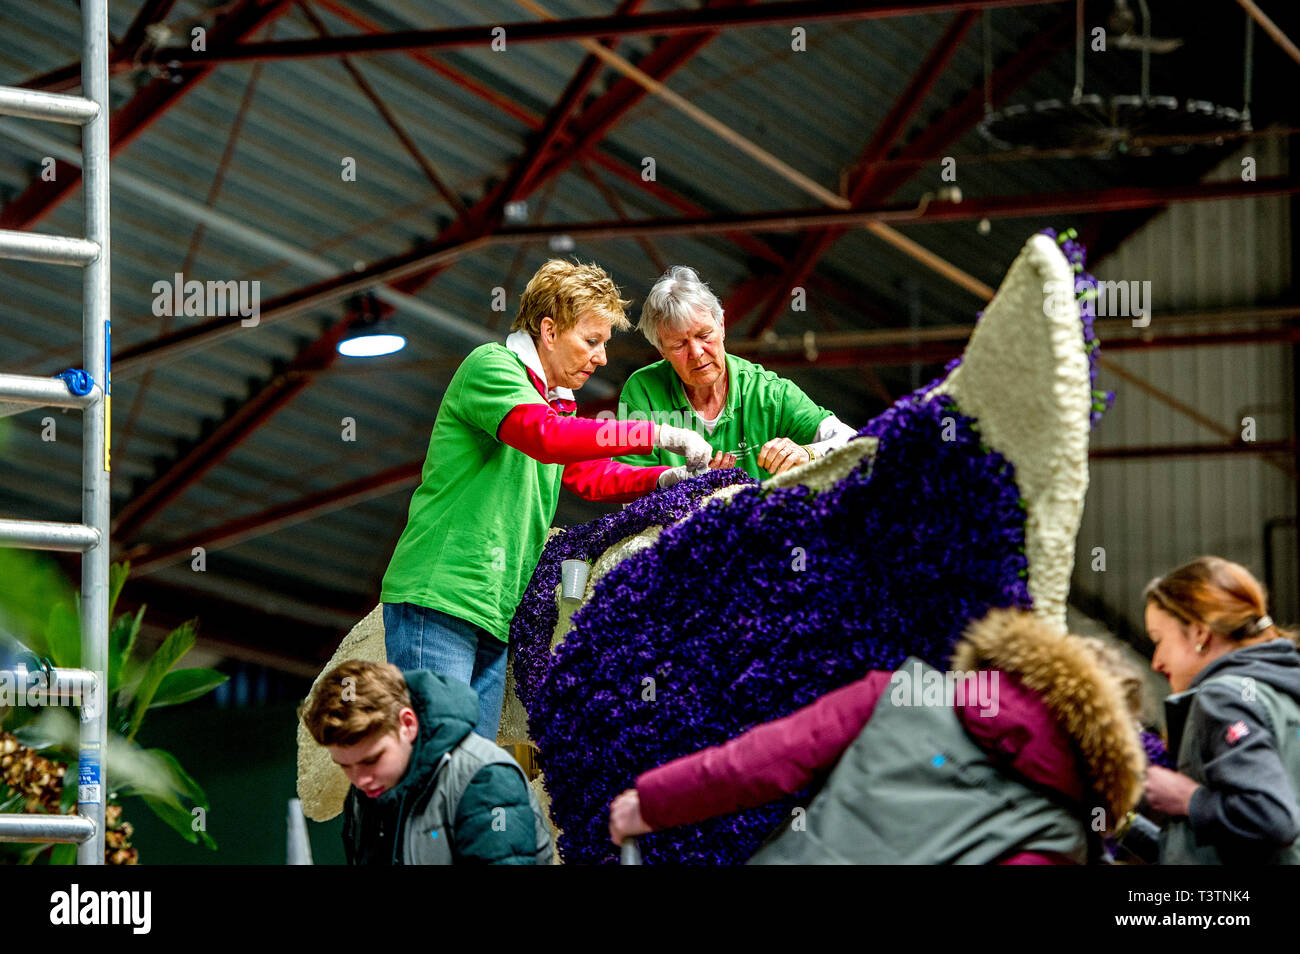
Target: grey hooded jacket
1236, 730
463, 799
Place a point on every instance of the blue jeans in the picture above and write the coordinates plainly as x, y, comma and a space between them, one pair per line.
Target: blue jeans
417, 637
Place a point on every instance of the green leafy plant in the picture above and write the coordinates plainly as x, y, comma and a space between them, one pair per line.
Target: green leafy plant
40, 621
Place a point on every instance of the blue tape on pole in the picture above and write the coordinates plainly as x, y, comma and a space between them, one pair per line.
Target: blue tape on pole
89, 775
78, 381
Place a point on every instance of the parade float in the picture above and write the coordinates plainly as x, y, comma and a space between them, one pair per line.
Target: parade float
721, 603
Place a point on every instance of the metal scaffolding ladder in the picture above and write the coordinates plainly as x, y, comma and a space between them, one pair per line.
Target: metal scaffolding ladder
75, 390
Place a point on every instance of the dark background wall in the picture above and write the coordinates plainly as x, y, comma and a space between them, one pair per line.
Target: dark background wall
245, 758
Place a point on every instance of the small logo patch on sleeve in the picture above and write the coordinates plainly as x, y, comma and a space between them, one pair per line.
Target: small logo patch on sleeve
1236, 732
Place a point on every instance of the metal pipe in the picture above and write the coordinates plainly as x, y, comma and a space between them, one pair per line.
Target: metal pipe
1271, 526
1271, 28
19, 392
1252, 448
299, 845
52, 249
67, 686
62, 829
1078, 50
92, 781
1146, 50
54, 107
47, 535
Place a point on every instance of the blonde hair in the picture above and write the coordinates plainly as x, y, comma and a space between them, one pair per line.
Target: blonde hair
1221, 595
354, 700
564, 292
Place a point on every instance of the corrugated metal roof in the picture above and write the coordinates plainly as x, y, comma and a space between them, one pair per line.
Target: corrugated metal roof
1153, 515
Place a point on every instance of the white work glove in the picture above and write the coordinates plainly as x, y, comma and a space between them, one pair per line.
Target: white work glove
832, 433
680, 440
672, 476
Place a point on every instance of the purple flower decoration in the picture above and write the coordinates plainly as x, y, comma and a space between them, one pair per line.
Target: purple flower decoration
759, 605
1157, 753
756, 607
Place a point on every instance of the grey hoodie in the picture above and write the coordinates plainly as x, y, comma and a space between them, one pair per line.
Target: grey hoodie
1236, 730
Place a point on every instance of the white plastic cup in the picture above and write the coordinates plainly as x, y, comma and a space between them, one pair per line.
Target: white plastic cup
573, 578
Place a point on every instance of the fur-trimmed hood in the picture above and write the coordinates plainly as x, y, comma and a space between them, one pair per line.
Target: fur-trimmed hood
1084, 701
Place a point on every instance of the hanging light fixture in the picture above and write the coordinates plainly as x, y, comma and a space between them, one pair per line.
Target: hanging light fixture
1116, 125
370, 335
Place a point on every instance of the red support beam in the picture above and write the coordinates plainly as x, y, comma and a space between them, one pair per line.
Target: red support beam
441, 252
664, 23
59, 80
939, 352
893, 126
148, 556
504, 103
188, 467
557, 120
875, 186
42, 197
121, 56
150, 12
1157, 451
510, 107
659, 63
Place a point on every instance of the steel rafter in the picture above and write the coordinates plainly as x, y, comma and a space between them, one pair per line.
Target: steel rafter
146, 557
938, 352
465, 234
533, 121
42, 197
120, 57
386, 114
876, 185
665, 23
893, 126
189, 467
445, 250
557, 120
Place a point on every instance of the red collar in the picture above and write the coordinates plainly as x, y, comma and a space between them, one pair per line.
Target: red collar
560, 404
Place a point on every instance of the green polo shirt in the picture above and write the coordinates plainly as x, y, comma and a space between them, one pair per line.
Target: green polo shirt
478, 521
760, 405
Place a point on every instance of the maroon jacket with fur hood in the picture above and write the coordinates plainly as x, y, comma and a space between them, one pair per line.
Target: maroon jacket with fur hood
784, 756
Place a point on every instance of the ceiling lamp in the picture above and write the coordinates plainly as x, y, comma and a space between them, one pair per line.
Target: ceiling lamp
370, 334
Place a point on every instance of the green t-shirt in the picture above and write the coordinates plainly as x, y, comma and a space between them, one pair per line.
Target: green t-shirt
760, 406
479, 519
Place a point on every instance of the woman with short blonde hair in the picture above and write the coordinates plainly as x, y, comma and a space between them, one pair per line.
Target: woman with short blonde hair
504, 441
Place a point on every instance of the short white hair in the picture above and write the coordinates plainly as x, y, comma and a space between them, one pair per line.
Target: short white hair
673, 302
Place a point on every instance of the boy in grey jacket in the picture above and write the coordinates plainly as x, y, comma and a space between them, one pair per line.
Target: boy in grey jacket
425, 788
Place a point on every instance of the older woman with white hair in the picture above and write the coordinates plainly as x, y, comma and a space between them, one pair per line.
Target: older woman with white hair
753, 418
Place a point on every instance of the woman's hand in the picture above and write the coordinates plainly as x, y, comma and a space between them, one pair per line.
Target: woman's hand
625, 817
1169, 792
687, 443
781, 454
722, 461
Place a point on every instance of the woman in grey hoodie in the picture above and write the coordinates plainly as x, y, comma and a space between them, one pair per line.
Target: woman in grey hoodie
1233, 720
